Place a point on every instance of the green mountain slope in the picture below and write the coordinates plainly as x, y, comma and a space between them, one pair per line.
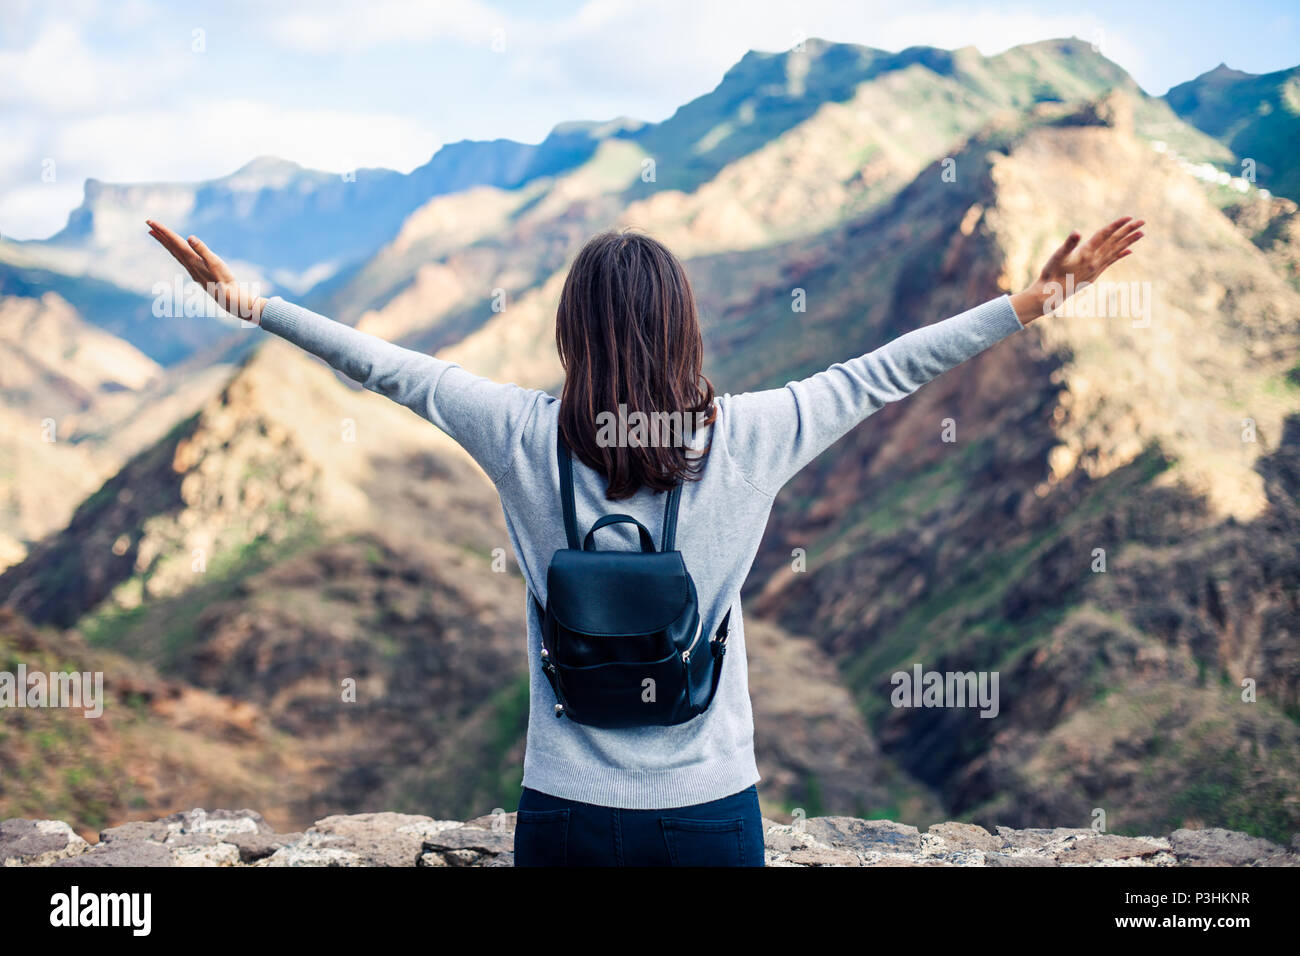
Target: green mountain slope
1256, 116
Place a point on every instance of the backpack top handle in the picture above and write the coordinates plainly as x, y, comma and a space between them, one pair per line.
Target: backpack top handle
647, 542
668, 540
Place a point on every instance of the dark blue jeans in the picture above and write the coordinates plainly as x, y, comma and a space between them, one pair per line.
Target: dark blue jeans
552, 831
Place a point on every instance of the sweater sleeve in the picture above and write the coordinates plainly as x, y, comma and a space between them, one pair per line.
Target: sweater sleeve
772, 434
484, 417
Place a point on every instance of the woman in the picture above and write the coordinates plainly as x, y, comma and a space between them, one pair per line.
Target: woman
629, 341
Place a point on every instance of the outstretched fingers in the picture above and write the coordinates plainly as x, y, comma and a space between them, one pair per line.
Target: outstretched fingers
1122, 238
1121, 247
1056, 262
179, 249
1105, 233
210, 258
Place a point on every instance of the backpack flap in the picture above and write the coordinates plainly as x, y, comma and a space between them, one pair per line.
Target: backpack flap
618, 605
617, 592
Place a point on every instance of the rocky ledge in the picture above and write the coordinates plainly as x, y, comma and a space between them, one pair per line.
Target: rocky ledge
243, 838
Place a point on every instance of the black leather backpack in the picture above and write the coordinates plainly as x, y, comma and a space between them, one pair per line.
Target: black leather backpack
622, 637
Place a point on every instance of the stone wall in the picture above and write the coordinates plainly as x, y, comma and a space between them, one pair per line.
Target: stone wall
243, 838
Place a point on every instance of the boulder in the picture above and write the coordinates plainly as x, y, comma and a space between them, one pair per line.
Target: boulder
38, 842
1218, 847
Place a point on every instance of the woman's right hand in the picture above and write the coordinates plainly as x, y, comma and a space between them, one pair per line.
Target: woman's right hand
206, 268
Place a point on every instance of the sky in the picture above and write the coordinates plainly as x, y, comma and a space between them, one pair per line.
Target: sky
168, 90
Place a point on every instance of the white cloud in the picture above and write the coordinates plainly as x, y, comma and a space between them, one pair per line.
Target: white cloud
337, 27
60, 73
190, 144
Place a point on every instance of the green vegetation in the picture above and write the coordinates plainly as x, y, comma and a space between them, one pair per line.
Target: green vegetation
1227, 787
812, 786
163, 630
55, 764
966, 611
481, 773
1256, 117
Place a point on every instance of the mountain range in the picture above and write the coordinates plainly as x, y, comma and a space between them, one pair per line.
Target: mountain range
254, 532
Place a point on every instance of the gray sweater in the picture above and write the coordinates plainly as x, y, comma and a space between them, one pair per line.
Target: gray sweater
760, 439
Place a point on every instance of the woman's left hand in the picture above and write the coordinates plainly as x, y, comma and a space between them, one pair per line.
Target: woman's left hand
1074, 266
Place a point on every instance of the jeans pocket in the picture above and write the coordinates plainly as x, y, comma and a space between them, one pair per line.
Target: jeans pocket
704, 842
542, 837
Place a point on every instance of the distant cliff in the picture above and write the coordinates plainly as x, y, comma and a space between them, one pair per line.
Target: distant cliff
243, 838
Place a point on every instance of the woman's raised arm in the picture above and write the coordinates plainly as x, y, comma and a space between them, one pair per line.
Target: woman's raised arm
772, 434
486, 418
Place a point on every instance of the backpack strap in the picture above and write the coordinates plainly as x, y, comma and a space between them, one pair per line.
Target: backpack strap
566, 492
668, 539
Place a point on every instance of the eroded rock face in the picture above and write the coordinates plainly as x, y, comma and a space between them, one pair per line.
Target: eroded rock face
242, 838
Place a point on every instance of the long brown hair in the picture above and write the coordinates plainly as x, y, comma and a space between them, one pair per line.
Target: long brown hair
629, 340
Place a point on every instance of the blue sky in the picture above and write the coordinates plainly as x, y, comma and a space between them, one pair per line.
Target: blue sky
149, 90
